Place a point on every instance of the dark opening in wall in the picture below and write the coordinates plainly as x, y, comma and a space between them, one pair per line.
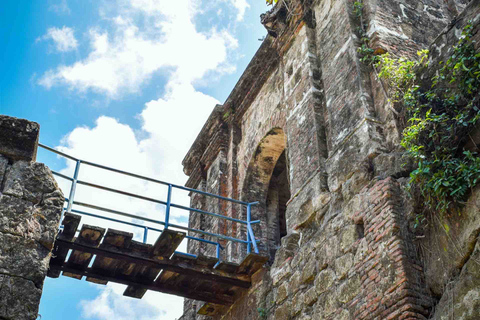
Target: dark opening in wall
277, 197
360, 230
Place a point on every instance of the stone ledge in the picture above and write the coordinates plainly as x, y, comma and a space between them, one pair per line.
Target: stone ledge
18, 138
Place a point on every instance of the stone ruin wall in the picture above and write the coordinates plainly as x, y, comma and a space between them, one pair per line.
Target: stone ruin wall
30, 207
351, 251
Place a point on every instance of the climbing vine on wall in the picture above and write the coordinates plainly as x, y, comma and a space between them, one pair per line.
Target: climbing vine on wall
439, 121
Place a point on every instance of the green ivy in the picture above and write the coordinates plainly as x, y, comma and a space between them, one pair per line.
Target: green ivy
439, 121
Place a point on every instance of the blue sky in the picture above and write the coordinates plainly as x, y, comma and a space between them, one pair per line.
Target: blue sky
126, 83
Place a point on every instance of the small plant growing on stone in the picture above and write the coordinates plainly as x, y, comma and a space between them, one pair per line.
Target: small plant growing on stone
262, 313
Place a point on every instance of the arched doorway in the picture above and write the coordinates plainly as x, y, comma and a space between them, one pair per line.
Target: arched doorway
267, 181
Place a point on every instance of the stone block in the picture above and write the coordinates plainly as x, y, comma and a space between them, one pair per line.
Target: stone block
18, 138
38, 222
349, 289
343, 265
282, 293
280, 274
297, 303
295, 283
29, 181
309, 271
349, 236
324, 280
20, 298
283, 312
24, 258
310, 297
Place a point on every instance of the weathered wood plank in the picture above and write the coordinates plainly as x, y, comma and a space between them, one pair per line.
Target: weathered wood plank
109, 266
164, 247
228, 267
70, 224
170, 265
251, 264
79, 259
201, 296
167, 243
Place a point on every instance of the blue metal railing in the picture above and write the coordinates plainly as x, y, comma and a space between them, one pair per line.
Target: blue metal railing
70, 201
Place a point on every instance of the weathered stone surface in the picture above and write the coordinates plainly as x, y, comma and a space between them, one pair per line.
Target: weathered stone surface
343, 265
282, 293
309, 271
349, 289
310, 297
30, 208
18, 138
324, 280
283, 312
20, 298
461, 299
350, 235
37, 222
3, 167
23, 257
29, 181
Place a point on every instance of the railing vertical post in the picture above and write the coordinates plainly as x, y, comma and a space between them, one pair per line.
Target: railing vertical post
249, 218
145, 234
250, 236
218, 252
167, 210
72, 190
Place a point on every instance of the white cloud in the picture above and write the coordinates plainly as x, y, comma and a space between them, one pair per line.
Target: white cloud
110, 304
61, 7
241, 6
64, 39
124, 58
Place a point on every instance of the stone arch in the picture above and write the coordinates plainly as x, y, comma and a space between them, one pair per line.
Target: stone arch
267, 182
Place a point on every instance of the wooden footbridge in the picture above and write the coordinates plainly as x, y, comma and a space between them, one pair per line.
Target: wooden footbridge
108, 255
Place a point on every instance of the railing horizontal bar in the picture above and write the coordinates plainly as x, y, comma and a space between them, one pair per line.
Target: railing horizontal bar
138, 225
207, 212
110, 219
209, 194
129, 215
255, 221
58, 152
208, 233
62, 175
186, 254
89, 184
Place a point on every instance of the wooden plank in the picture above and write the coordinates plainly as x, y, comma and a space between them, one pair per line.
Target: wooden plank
251, 264
135, 257
70, 224
79, 259
137, 249
201, 296
167, 243
164, 247
228, 267
109, 266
